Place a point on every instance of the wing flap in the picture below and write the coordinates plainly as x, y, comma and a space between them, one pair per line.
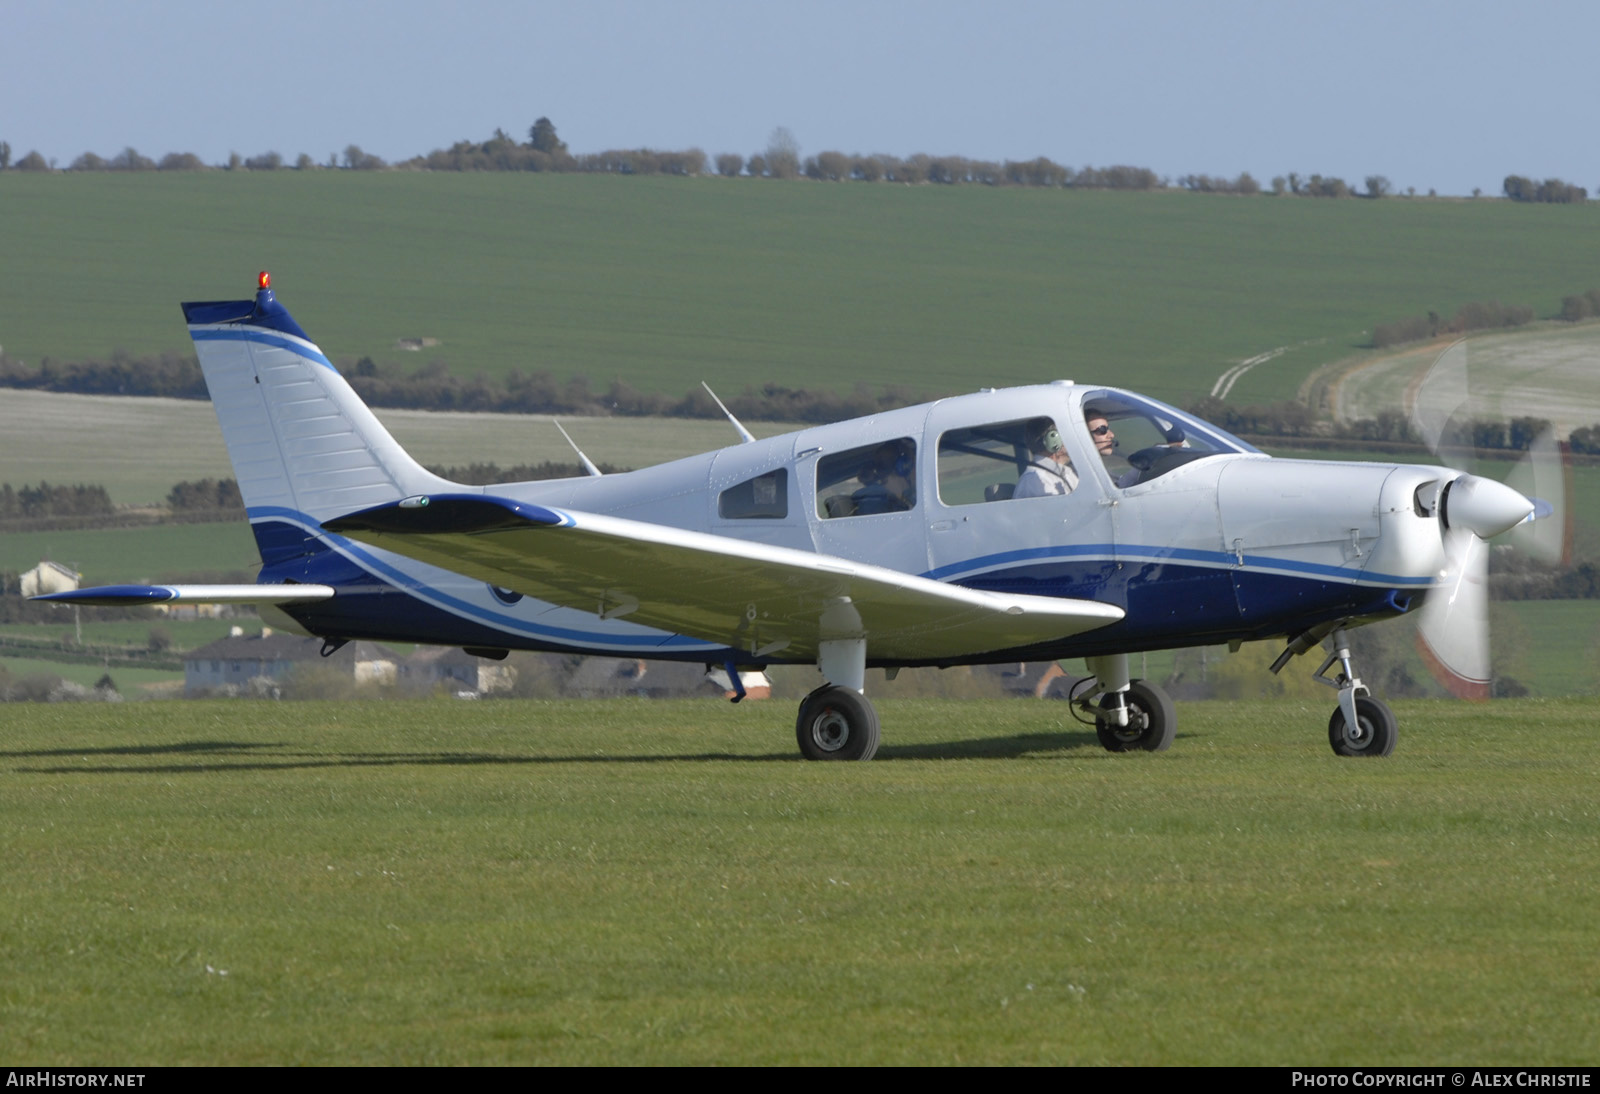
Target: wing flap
766, 600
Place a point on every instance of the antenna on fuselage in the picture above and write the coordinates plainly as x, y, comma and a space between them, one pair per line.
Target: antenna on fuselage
588, 465
744, 434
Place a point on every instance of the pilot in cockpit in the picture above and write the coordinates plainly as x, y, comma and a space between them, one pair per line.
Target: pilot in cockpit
1105, 441
1050, 471
1148, 462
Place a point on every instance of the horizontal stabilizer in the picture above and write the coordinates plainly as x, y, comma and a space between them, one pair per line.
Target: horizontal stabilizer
134, 595
768, 601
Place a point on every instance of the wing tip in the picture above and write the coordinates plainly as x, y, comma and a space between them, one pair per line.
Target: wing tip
111, 595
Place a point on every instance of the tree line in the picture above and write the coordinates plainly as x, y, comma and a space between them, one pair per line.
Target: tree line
53, 500
1550, 191
545, 151
1480, 315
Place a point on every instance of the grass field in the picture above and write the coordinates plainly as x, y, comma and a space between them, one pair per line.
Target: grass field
665, 282
646, 883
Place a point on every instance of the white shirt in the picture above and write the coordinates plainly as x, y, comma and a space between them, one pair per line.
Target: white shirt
1045, 478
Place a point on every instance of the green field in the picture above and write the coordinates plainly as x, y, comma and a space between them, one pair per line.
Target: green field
185, 633
1552, 646
164, 552
665, 282
131, 683
638, 883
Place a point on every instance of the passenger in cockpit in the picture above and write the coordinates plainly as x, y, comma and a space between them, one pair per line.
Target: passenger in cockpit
1051, 471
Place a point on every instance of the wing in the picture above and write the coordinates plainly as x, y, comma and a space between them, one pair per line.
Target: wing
764, 600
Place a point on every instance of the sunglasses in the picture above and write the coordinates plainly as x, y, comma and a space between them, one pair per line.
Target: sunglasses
1100, 430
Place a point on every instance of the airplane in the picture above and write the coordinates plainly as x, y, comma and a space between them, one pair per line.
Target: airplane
1034, 523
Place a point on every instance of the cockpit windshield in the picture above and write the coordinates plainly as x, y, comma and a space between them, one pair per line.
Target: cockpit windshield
1149, 438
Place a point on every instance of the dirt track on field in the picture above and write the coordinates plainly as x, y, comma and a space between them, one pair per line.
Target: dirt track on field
1550, 372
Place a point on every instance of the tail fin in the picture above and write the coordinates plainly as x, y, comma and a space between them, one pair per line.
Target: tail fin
304, 447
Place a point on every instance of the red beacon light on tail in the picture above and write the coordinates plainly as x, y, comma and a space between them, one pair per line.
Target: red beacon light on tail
263, 280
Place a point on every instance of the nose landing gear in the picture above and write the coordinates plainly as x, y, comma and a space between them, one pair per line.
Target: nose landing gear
1360, 725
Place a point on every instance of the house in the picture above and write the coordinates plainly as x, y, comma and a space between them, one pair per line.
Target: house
49, 577
228, 665
455, 669
1040, 679
605, 677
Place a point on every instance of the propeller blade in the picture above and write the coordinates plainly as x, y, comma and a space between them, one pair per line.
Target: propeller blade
1453, 630
1545, 476
1441, 397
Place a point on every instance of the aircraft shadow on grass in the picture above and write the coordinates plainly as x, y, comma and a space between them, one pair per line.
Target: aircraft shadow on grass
980, 748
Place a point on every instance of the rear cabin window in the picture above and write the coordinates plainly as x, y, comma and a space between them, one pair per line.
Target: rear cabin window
765, 497
872, 479
983, 463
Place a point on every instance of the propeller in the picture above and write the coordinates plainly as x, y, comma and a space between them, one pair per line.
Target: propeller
1453, 630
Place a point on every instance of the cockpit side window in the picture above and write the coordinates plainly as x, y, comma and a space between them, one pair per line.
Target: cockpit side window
873, 479
765, 497
1002, 461
1152, 439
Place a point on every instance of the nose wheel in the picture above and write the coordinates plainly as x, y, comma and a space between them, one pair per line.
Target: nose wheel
1373, 733
1360, 725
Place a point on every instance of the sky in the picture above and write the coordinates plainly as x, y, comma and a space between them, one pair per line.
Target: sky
1446, 96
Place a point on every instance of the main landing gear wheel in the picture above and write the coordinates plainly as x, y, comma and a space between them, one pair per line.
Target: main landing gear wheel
837, 724
1152, 722
1374, 733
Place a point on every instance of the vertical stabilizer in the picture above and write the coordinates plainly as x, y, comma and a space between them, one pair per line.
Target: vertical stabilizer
303, 444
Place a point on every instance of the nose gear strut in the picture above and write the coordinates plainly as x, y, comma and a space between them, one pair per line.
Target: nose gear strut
1361, 725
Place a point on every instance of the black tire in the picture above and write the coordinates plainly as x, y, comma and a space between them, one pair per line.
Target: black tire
837, 724
1375, 734
1152, 722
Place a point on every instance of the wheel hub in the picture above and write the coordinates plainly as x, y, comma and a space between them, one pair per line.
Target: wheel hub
1358, 735
831, 731
1138, 722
